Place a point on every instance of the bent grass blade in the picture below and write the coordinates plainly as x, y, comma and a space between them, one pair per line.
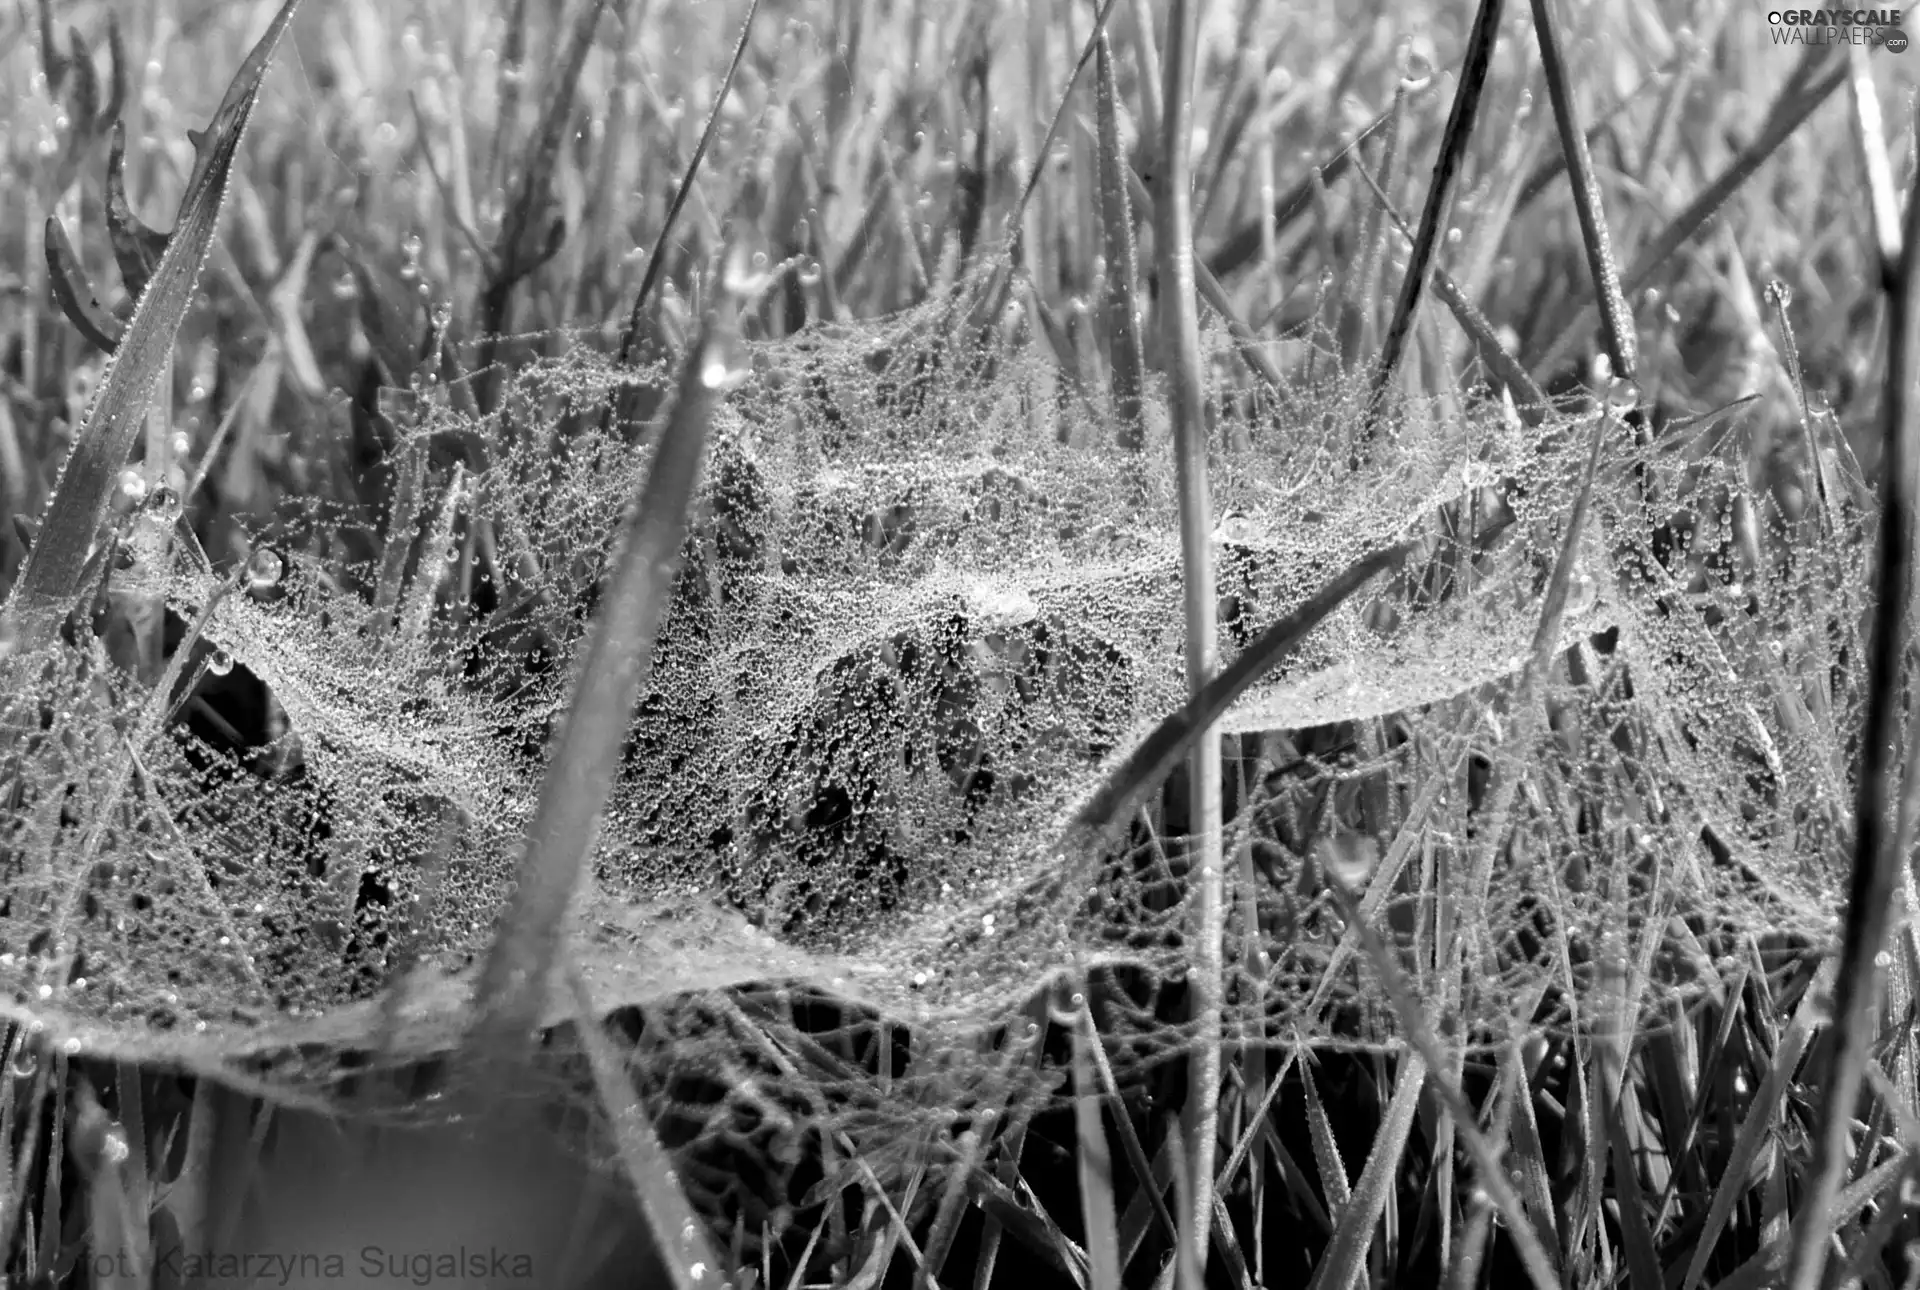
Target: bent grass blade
52, 577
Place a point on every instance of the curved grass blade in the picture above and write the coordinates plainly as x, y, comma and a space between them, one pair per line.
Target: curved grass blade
1616, 320
136, 248
513, 987
73, 292
51, 576
1876, 855
1446, 170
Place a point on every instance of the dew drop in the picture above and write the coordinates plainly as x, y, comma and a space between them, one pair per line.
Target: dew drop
133, 485
25, 1063
265, 568
221, 663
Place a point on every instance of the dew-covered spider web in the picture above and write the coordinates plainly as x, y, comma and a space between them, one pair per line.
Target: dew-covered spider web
927, 604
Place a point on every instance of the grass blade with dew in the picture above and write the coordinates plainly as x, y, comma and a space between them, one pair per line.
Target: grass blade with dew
1875, 861
1616, 320
1016, 219
522, 249
656, 259
1123, 266
1243, 247
1342, 1262
1528, 397
1093, 1157
51, 577
1446, 170
1424, 1048
681, 1238
1156, 754
1789, 112
619, 654
1246, 340
1180, 342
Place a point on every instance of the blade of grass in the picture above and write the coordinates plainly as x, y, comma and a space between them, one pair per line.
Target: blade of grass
656, 259
1446, 172
1528, 397
1793, 108
678, 1233
514, 982
1876, 860
1424, 1049
1870, 135
1180, 342
1093, 1159
1616, 320
1123, 268
51, 576
1346, 1252
1768, 1100
523, 249
1243, 247
1156, 754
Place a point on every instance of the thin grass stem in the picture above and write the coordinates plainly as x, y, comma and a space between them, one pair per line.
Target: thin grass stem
1875, 863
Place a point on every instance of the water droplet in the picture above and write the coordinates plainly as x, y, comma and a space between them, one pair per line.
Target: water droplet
265, 568
220, 664
1622, 397
809, 272
71, 1047
1582, 592
1453, 236
696, 1271
133, 485
25, 1062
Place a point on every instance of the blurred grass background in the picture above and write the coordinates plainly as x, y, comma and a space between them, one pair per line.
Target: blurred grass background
863, 139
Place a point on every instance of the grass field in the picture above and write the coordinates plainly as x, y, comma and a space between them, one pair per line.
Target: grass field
883, 644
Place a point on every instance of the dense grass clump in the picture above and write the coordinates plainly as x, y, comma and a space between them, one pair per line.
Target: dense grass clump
867, 645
